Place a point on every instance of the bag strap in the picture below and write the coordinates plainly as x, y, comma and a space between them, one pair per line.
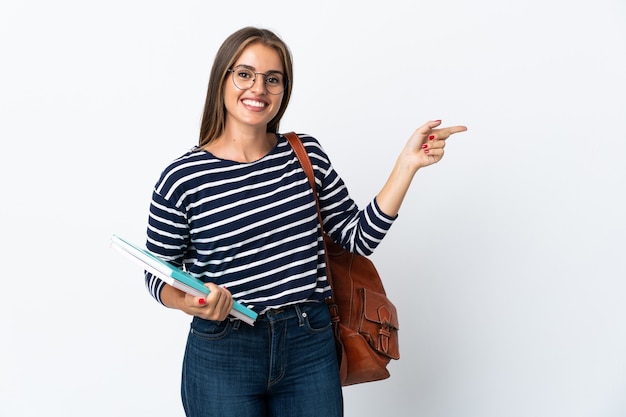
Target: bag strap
303, 157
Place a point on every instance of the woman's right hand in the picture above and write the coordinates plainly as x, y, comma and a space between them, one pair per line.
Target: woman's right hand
215, 306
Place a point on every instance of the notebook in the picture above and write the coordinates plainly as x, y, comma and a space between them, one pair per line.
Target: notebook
174, 276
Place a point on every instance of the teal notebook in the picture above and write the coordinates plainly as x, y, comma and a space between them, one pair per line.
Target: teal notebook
174, 276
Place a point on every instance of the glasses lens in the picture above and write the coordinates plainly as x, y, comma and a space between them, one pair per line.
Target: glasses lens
275, 82
245, 78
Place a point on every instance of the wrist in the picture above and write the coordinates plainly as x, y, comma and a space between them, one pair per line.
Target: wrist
406, 165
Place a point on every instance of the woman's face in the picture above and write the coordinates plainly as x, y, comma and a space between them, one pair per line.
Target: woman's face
254, 106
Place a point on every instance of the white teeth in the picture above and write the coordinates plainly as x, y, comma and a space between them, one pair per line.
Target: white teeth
253, 103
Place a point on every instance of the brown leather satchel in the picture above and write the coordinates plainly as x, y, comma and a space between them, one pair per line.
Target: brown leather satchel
365, 321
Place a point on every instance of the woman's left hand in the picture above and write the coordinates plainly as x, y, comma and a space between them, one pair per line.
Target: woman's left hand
425, 146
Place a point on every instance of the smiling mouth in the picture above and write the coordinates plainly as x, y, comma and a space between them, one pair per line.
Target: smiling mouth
254, 103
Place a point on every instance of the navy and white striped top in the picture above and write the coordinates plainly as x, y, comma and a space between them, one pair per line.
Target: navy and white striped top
253, 227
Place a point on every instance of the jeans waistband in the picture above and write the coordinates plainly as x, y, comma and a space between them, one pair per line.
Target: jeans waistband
290, 311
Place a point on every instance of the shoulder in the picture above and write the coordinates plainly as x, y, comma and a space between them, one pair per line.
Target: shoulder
183, 168
312, 145
309, 140
319, 159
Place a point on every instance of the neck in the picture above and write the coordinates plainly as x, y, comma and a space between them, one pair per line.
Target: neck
242, 146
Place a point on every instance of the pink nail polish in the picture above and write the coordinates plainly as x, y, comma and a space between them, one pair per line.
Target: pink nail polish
424, 146
426, 151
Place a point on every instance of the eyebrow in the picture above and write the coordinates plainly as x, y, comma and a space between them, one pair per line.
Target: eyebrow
251, 68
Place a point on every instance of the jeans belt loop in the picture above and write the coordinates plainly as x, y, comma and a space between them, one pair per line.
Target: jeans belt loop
300, 315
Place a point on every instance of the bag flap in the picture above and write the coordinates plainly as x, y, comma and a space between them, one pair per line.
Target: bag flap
379, 309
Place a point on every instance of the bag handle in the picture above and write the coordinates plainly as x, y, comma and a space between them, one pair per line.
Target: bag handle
305, 162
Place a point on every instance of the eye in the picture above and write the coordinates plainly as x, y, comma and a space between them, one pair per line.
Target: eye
245, 74
274, 78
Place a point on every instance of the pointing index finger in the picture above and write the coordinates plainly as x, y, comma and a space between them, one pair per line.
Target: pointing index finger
457, 129
451, 130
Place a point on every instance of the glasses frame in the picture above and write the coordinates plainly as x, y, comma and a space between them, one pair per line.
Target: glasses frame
256, 74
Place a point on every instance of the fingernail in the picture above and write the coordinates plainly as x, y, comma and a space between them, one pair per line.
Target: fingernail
426, 151
431, 137
201, 301
424, 146
438, 120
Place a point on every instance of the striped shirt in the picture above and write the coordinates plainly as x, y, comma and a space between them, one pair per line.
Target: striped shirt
253, 227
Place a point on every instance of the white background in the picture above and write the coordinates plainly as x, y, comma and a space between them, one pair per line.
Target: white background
507, 261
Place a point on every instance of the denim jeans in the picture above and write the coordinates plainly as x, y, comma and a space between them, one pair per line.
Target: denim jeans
284, 366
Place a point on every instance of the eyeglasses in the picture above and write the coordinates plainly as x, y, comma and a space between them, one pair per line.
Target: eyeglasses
244, 78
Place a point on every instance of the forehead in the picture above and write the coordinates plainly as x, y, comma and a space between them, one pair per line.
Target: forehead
260, 57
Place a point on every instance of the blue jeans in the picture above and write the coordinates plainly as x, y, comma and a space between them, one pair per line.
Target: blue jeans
284, 366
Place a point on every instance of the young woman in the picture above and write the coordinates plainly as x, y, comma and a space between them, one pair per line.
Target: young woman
237, 212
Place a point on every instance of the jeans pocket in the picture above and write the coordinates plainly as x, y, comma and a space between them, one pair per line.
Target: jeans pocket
209, 329
316, 318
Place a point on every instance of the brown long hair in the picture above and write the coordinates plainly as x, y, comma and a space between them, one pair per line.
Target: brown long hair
214, 116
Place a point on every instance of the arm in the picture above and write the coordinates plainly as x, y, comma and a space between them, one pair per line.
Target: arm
167, 234
424, 147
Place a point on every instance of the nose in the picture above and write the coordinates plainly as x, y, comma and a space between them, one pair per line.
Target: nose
258, 84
